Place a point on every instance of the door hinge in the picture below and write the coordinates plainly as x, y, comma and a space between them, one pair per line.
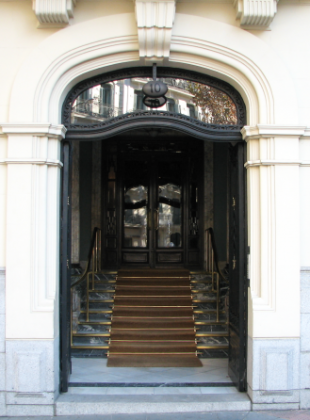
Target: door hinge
233, 202
68, 201
68, 264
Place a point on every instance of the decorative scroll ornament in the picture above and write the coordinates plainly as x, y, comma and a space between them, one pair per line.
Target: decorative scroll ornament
155, 20
255, 14
155, 91
53, 13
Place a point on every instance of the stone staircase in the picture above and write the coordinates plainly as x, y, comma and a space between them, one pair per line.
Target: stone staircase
92, 308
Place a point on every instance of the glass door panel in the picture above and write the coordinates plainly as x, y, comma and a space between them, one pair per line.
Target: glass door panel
136, 204
169, 216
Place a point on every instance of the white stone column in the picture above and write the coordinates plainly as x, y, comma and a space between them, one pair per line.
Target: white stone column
304, 156
273, 171
32, 267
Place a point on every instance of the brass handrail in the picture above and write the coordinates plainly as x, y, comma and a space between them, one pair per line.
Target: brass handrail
94, 257
212, 256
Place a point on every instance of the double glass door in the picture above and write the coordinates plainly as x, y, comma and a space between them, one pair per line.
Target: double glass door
153, 209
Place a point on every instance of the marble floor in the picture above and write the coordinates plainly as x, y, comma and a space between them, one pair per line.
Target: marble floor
95, 371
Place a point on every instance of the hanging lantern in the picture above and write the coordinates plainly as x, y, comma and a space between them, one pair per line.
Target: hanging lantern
155, 91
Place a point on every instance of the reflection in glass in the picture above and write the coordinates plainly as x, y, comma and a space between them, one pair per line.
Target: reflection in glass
169, 216
196, 100
135, 216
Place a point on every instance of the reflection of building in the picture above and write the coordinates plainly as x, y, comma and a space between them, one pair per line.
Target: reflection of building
267, 64
123, 96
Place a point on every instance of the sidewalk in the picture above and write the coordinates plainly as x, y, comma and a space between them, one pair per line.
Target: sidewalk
233, 415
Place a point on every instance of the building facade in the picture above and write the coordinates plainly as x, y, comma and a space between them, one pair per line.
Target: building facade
258, 48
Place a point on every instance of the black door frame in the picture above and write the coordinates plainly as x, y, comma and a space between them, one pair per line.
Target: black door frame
149, 120
153, 250
65, 264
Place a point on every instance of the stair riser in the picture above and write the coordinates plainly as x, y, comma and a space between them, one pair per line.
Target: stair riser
90, 341
93, 329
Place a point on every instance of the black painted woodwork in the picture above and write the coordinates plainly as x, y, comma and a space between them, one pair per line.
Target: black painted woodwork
65, 292
142, 161
237, 269
154, 119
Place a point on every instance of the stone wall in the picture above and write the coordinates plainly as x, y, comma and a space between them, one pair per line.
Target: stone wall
305, 338
2, 342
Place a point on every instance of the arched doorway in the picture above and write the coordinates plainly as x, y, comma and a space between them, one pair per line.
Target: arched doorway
155, 201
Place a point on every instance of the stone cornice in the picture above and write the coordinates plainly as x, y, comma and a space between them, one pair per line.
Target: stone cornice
267, 131
53, 13
155, 20
255, 14
35, 129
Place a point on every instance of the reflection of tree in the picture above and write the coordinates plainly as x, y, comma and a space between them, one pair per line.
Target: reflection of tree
216, 106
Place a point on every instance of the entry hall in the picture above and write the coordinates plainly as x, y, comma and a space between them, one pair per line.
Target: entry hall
151, 234
143, 205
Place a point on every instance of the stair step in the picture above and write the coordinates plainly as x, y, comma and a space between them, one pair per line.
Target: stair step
153, 291
151, 273
149, 301
101, 300
152, 312
87, 334
95, 322
154, 325
90, 346
201, 281
204, 300
131, 347
212, 347
207, 311
212, 334
151, 335
202, 292
101, 291
174, 283
97, 311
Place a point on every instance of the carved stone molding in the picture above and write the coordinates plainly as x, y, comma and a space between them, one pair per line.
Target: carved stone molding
255, 14
53, 13
155, 20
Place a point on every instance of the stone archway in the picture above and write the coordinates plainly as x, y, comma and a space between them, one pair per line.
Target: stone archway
34, 132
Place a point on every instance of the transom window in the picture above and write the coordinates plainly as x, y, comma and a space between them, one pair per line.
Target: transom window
199, 101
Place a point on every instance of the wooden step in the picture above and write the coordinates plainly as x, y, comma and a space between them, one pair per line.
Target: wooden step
212, 347
173, 283
152, 324
101, 291
88, 334
152, 312
151, 293
151, 272
142, 347
152, 335
212, 334
155, 302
